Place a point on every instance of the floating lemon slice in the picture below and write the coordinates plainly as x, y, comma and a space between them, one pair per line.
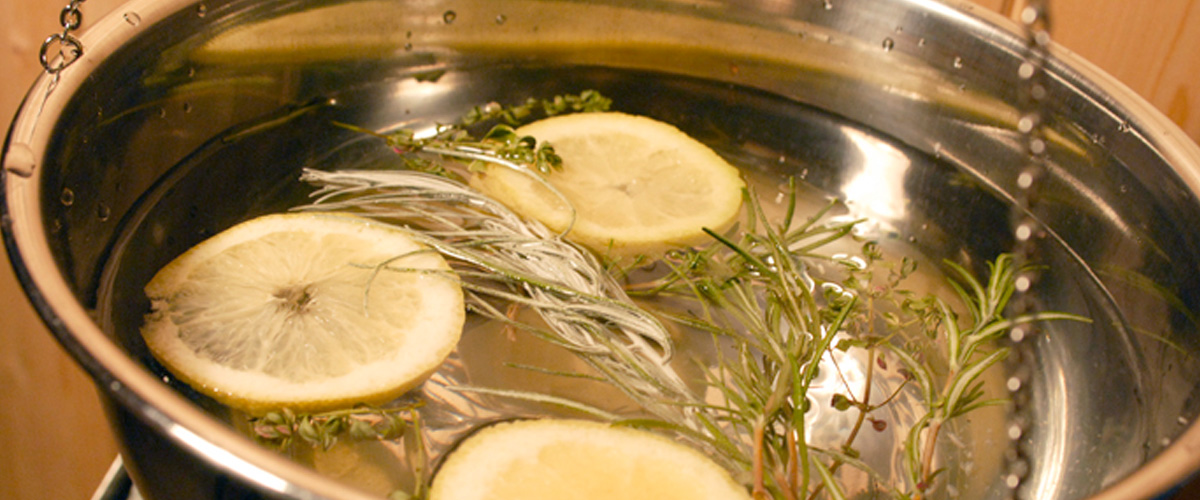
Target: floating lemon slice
638, 186
578, 460
295, 311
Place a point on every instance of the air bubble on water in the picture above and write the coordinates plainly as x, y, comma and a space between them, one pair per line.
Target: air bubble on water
449, 16
828, 4
921, 42
201, 10
187, 107
132, 18
1124, 127
958, 62
162, 112
501, 19
408, 46
103, 212
67, 197
191, 72
1124, 189
888, 44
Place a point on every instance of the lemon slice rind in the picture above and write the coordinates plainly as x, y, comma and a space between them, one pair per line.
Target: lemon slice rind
362, 336
638, 186
583, 460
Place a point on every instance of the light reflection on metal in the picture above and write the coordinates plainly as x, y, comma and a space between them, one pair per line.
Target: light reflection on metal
218, 455
877, 192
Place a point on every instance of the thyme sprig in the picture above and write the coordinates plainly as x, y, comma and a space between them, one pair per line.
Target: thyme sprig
779, 305
501, 144
284, 427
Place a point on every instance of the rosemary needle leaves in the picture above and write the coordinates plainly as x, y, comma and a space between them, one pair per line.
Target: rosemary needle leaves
779, 305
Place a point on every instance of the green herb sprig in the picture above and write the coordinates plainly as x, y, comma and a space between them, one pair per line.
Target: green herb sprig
282, 428
774, 319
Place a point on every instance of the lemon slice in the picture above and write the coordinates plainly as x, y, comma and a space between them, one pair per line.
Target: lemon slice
638, 186
578, 460
292, 310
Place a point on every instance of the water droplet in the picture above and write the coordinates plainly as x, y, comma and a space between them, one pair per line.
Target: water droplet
958, 62
191, 72
449, 17
1124, 189
187, 107
201, 10
921, 42
132, 18
1124, 127
408, 46
1025, 180
828, 4
501, 19
162, 112
407, 34
1026, 70
67, 197
103, 212
1183, 421
888, 44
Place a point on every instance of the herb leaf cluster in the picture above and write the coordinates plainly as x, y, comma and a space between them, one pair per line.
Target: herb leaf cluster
776, 322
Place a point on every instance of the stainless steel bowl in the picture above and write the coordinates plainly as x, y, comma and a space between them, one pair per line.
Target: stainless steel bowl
184, 116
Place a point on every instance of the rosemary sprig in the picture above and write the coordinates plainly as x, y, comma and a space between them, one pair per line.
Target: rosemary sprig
969, 351
756, 293
775, 321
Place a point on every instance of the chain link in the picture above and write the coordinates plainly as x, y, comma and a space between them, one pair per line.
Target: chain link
1031, 73
69, 48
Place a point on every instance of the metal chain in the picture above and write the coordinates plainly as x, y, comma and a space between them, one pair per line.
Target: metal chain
1035, 22
69, 47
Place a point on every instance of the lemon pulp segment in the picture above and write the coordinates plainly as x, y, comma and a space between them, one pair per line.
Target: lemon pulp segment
638, 186
294, 310
578, 460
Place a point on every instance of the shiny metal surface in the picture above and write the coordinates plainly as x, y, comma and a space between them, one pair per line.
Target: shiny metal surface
910, 115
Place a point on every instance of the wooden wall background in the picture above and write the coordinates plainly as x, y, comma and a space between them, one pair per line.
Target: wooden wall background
54, 442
